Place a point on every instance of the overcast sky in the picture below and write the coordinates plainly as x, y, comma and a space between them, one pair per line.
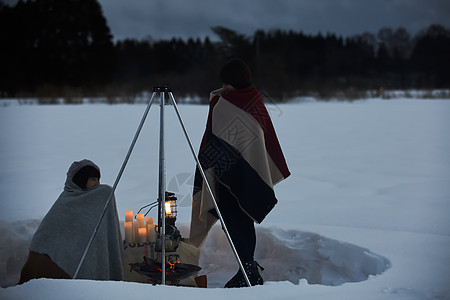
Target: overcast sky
164, 19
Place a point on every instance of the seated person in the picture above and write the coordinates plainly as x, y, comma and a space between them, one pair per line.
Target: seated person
61, 239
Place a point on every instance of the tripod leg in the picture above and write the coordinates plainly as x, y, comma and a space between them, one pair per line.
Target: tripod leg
111, 195
172, 99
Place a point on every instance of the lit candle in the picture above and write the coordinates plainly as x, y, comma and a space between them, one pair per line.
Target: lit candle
136, 230
148, 220
151, 232
129, 232
142, 235
150, 227
140, 219
128, 216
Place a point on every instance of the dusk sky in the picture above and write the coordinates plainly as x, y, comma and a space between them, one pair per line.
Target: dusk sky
164, 19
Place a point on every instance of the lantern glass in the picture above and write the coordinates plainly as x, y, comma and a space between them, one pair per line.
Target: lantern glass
171, 208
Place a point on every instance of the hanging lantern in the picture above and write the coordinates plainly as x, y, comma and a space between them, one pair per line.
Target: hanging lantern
172, 234
171, 207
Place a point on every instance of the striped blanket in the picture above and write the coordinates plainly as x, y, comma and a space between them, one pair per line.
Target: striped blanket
240, 151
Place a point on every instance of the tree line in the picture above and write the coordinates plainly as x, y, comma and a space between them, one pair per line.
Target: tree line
65, 48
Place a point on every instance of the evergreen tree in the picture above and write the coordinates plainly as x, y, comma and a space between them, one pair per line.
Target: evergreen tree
57, 42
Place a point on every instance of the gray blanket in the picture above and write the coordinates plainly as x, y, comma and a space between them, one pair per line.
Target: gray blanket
66, 229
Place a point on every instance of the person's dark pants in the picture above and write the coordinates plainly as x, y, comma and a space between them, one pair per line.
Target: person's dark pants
240, 226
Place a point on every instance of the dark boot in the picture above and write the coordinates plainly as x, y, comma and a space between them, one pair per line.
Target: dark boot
251, 268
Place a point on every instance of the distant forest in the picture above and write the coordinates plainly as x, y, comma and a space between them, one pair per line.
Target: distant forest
64, 48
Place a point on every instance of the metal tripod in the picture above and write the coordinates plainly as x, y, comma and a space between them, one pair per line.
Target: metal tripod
162, 91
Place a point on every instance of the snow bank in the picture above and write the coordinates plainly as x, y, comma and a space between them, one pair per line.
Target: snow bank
292, 255
285, 255
15, 237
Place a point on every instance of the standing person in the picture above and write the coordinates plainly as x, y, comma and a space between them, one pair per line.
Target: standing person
243, 160
60, 241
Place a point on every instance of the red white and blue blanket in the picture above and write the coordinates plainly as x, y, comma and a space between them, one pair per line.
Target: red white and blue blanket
239, 150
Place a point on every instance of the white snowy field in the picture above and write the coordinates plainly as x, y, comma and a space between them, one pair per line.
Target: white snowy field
364, 215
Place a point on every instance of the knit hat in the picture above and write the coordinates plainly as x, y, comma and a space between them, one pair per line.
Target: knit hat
236, 73
82, 176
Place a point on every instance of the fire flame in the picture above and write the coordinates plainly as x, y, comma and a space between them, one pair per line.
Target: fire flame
173, 264
159, 269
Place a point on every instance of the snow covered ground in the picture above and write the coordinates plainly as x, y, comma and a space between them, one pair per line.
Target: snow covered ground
364, 215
